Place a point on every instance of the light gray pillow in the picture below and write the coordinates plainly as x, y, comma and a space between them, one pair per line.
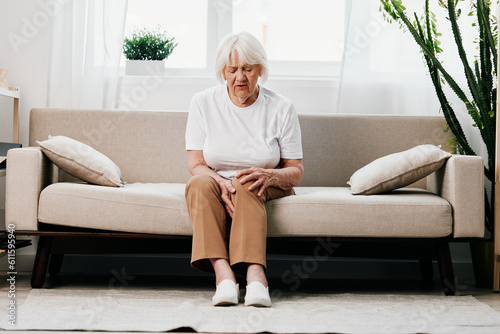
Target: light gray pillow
397, 170
82, 161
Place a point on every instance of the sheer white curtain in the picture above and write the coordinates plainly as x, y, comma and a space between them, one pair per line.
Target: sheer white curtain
86, 48
383, 71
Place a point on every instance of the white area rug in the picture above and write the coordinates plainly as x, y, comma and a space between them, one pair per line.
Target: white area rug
163, 310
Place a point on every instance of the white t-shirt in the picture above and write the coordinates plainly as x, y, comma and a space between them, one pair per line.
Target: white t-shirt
234, 138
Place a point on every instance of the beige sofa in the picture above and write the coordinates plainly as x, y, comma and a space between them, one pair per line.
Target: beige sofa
149, 149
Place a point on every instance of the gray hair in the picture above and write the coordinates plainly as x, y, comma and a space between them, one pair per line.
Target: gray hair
250, 51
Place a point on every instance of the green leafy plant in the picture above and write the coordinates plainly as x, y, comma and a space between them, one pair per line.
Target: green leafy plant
480, 99
148, 45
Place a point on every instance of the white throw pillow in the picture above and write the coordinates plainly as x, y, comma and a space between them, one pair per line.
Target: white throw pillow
82, 161
397, 170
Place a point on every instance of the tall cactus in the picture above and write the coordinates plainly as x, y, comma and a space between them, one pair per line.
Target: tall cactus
480, 73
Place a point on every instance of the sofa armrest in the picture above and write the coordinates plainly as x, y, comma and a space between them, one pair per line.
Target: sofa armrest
461, 182
28, 172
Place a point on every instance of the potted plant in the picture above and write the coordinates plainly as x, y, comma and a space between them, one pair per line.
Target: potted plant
478, 98
146, 52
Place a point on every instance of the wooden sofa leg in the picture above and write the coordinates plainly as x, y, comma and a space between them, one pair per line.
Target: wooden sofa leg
41, 262
55, 264
426, 270
445, 268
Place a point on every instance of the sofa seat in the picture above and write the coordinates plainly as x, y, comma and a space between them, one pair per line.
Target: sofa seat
157, 208
160, 208
334, 211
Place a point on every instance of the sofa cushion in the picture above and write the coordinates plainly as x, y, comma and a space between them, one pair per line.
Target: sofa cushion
397, 170
82, 161
314, 211
138, 207
334, 211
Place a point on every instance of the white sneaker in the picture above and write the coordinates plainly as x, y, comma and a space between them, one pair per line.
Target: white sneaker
226, 293
257, 295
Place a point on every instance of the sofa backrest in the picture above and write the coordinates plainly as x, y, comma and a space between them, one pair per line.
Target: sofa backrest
148, 146
336, 145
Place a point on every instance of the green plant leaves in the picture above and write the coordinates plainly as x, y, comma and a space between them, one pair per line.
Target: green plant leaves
148, 45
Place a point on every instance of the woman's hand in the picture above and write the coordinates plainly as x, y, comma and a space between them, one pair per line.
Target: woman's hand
197, 165
226, 188
263, 178
286, 177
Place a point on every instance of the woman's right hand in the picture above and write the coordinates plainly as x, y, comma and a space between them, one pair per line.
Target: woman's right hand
227, 188
198, 165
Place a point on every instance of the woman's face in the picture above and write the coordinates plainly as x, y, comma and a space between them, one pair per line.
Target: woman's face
242, 81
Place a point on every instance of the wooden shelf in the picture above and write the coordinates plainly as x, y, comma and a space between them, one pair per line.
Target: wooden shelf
9, 93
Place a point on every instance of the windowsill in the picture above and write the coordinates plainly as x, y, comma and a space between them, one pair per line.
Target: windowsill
332, 81
170, 92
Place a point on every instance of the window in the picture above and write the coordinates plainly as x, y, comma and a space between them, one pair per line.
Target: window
185, 20
302, 38
292, 30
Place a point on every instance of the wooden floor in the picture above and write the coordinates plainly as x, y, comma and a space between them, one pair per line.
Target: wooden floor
88, 281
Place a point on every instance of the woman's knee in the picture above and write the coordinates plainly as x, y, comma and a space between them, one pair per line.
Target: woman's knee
243, 187
202, 183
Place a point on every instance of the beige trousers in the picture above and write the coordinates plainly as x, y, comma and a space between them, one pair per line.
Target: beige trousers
247, 230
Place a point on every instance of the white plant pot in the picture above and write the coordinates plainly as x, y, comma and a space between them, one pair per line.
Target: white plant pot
145, 67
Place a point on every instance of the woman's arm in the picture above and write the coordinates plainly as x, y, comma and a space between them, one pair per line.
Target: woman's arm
287, 177
198, 166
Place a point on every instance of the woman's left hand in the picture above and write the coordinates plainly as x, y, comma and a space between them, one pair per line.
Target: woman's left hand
263, 178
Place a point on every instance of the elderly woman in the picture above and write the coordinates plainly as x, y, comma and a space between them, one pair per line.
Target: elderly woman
244, 148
